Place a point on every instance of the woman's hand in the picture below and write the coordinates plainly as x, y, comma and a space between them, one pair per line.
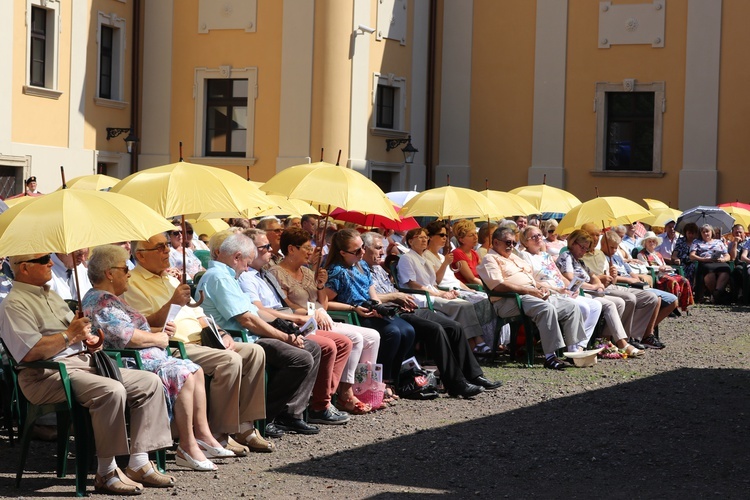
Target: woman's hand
449, 294
321, 278
448, 259
361, 311
170, 329
323, 319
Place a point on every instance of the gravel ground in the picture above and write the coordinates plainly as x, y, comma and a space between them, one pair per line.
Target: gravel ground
671, 425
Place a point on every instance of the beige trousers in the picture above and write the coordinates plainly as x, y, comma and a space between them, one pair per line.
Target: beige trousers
106, 399
237, 392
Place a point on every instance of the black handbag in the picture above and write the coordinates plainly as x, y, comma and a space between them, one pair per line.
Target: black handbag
286, 326
209, 339
106, 366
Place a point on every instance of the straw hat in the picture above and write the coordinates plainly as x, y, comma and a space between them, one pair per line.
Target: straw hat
650, 235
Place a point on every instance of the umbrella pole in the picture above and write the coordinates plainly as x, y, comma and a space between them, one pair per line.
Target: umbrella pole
448, 236
184, 263
79, 312
64, 186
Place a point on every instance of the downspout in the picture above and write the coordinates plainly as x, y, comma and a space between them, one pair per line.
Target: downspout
430, 129
135, 94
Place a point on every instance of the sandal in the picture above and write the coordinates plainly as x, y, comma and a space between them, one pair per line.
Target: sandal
389, 395
255, 442
118, 483
632, 352
353, 406
482, 349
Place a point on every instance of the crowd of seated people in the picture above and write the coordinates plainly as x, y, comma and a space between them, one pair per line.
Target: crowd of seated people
238, 327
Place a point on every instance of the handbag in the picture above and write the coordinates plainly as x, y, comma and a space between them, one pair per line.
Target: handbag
416, 383
286, 326
366, 388
106, 366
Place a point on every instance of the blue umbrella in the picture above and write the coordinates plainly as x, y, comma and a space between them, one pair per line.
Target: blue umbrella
714, 216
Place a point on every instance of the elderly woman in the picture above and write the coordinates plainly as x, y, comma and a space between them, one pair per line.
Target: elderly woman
302, 287
713, 256
666, 278
124, 327
465, 258
350, 284
681, 252
546, 271
177, 242
416, 272
552, 243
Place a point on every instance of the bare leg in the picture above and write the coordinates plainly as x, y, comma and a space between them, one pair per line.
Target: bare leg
666, 311
200, 417
183, 417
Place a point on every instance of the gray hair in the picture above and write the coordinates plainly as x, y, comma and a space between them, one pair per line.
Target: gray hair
708, 226
218, 238
104, 258
370, 238
266, 221
501, 232
613, 237
16, 260
253, 233
238, 243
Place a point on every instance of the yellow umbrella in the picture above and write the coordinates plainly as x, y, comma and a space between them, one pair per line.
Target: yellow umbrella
208, 226
511, 204
68, 220
95, 182
605, 210
547, 198
741, 215
652, 204
188, 189
291, 207
326, 185
662, 215
451, 202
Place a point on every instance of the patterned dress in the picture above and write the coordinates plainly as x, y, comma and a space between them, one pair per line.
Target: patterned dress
669, 281
119, 321
682, 251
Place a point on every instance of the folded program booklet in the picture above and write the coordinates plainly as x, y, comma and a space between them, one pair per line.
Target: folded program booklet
309, 327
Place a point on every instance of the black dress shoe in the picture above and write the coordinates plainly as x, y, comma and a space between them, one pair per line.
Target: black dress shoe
465, 390
289, 424
486, 383
272, 431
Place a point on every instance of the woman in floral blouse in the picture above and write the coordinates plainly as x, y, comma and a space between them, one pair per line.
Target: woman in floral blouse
124, 327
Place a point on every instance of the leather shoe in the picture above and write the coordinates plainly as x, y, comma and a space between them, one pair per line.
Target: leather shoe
486, 383
290, 424
272, 431
465, 390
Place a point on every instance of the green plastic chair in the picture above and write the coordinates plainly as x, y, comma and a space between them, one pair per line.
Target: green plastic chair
204, 256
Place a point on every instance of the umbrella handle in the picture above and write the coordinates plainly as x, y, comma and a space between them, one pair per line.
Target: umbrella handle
200, 300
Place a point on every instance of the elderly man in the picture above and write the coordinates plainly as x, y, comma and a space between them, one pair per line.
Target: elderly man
36, 324
558, 318
668, 240
273, 229
444, 337
291, 359
237, 396
63, 281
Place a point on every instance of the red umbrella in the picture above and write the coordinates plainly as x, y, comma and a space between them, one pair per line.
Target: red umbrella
374, 220
736, 204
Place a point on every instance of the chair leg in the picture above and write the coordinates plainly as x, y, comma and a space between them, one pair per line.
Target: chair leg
84, 447
63, 439
529, 342
161, 460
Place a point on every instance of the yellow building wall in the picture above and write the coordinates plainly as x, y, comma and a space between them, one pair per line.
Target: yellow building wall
502, 93
38, 120
734, 104
586, 65
98, 118
389, 56
261, 49
331, 88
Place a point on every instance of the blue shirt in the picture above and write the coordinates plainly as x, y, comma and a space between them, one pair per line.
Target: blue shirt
223, 297
351, 284
255, 287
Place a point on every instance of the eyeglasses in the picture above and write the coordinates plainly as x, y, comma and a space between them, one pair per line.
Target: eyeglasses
123, 269
509, 243
355, 251
265, 248
584, 248
306, 248
176, 233
537, 236
189, 231
441, 235
43, 260
161, 247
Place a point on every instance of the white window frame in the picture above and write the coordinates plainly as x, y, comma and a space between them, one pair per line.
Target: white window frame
52, 55
118, 60
199, 96
399, 111
600, 107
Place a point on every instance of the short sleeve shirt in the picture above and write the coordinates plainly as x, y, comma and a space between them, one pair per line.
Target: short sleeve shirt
351, 284
223, 297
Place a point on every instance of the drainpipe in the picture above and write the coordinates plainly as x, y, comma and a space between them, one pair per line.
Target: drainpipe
135, 76
430, 129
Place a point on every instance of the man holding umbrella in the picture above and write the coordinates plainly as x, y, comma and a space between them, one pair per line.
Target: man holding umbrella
36, 324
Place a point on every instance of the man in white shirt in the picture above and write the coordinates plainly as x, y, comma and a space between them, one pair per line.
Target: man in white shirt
63, 281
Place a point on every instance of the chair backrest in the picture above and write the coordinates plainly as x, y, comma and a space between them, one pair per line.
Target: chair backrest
635, 251
204, 256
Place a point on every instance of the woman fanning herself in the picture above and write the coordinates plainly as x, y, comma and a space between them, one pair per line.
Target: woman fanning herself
666, 278
301, 286
124, 327
350, 284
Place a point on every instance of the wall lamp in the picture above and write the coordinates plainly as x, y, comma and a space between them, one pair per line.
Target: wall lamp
130, 139
408, 150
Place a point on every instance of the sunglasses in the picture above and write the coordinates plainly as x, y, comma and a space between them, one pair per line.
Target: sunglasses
265, 247
161, 247
509, 243
355, 252
44, 259
176, 233
442, 235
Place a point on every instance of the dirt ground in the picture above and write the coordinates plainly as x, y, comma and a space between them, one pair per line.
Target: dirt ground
674, 424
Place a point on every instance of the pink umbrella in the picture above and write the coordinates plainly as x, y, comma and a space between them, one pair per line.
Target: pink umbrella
374, 220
